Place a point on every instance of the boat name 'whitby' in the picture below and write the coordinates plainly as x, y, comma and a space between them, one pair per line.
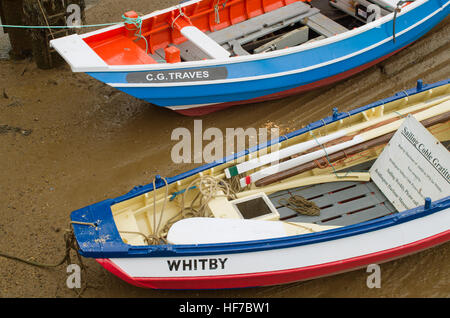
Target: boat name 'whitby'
188, 75
197, 264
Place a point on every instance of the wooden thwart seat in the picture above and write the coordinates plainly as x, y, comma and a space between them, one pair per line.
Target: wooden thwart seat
203, 42
233, 37
324, 25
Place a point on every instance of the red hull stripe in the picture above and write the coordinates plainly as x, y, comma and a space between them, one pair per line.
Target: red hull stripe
276, 277
199, 111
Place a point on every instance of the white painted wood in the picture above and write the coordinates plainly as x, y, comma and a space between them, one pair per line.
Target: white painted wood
284, 153
299, 256
211, 230
78, 54
204, 43
301, 160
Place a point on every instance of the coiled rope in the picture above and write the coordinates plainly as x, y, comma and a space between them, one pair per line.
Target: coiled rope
209, 187
300, 205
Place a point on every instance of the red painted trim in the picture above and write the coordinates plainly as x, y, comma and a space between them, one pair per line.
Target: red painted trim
199, 111
277, 277
116, 270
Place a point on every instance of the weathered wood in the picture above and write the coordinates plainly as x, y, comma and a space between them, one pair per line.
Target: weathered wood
12, 14
238, 49
290, 39
48, 13
324, 25
343, 154
260, 30
250, 30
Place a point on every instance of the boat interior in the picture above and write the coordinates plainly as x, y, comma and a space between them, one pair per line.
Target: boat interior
220, 29
327, 190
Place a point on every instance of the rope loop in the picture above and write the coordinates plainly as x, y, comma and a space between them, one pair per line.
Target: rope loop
300, 205
137, 22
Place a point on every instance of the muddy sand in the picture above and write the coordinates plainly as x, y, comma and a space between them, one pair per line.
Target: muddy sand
67, 141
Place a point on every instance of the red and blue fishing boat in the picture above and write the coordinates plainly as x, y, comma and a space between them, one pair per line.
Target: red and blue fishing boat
206, 55
326, 207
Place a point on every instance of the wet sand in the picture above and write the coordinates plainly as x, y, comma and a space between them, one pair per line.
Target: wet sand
67, 141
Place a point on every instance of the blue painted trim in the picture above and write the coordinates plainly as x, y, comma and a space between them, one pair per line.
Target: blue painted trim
105, 241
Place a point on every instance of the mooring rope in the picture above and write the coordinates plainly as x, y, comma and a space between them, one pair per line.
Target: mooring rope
71, 244
137, 22
397, 10
56, 26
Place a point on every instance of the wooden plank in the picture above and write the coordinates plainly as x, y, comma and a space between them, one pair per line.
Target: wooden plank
204, 43
250, 30
189, 52
255, 24
336, 210
324, 25
353, 192
159, 56
238, 49
321, 37
312, 191
369, 203
268, 30
360, 216
323, 188
290, 39
371, 196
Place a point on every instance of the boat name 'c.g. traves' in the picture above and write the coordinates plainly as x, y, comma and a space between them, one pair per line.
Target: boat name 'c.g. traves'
189, 75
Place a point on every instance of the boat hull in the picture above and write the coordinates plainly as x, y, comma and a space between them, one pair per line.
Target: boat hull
193, 111
269, 76
268, 261
285, 265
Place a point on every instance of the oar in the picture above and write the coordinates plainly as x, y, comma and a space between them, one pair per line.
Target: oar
381, 140
307, 145
436, 110
281, 154
300, 160
301, 182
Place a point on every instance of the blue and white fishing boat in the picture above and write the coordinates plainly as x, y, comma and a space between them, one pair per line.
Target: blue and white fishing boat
328, 207
206, 55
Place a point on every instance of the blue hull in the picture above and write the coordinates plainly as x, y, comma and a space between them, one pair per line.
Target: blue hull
268, 74
105, 241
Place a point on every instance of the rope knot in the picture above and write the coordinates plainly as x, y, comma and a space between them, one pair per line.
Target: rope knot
137, 23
